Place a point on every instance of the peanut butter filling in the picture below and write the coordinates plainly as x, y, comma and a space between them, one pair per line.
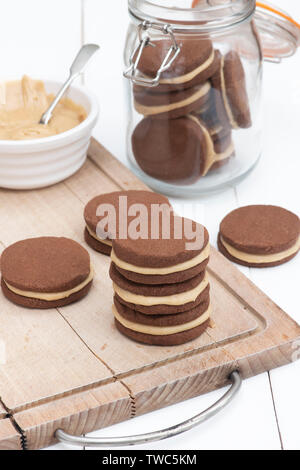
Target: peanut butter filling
151, 110
189, 76
22, 103
162, 330
162, 271
226, 154
175, 299
49, 297
210, 157
258, 259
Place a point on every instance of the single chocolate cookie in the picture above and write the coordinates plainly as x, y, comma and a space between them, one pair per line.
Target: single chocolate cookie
45, 272
231, 97
260, 235
119, 200
171, 105
175, 151
194, 65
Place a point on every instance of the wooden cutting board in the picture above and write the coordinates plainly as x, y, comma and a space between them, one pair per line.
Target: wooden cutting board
70, 368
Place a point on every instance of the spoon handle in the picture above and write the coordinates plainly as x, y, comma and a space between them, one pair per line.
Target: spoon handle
77, 66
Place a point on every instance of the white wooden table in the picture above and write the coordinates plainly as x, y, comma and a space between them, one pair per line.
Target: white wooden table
40, 39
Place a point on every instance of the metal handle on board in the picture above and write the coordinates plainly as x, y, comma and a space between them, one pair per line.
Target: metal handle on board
166, 433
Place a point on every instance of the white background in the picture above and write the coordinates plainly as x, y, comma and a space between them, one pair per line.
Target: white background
40, 38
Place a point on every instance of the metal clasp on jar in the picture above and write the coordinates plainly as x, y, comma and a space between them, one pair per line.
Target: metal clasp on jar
145, 41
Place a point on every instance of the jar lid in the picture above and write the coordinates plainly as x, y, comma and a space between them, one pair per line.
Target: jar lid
279, 33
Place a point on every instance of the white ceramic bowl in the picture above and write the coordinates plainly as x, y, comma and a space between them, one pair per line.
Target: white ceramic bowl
36, 163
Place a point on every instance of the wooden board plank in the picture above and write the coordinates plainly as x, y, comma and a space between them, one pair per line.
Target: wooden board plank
78, 414
3, 412
45, 358
53, 355
250, 333
10, 439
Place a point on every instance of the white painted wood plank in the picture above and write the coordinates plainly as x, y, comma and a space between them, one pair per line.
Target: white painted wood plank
286, 389
39, 38
276, 181
247, 423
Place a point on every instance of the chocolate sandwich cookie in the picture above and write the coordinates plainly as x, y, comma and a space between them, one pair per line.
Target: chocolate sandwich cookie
177, 150
224, 150
174, 307
157, 279
153, 290
171, 105
232, 102
161, 320
45, 272
174, 339
260, 235
119, 200
162, 330
208, 114
175, 245
194, 65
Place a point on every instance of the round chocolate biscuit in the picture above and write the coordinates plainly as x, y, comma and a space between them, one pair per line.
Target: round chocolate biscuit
219, 106
167, 309
231, 99
28, 302
184, 241
96, 244
145, 198
164, 340
154, 279
154, 290
270, 232
161, 320
171, 105
194, 64
45, 264
171, 150
236, 92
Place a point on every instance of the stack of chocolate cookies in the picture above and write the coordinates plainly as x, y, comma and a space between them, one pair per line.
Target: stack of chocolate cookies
161, 288
186, 130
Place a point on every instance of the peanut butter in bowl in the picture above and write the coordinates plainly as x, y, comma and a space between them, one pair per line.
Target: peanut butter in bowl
22, 102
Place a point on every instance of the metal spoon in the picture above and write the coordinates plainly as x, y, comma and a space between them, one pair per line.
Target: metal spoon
78, 65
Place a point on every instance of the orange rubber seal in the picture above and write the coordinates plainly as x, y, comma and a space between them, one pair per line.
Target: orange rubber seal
266, 7
273, 10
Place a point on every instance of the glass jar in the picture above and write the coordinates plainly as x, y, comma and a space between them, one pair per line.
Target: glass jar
194, 91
